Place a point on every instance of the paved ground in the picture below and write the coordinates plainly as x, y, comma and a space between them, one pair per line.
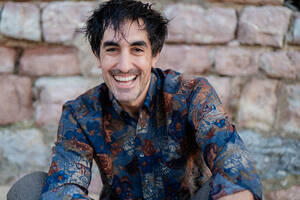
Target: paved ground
3, 191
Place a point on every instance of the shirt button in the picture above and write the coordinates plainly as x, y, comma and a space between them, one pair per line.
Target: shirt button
142, 155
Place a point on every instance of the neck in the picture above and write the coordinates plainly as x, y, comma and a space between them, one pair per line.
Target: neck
133, 110
133, 107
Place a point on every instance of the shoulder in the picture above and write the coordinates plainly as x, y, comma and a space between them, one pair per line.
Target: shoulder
175, 82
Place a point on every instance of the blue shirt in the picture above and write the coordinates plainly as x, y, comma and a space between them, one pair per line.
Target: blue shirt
181, 138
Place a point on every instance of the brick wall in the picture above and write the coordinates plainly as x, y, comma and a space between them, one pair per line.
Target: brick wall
248, 49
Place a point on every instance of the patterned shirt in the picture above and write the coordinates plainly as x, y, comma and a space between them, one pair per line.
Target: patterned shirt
181, 139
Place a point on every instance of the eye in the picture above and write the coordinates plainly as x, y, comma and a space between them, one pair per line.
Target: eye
137, 50
111, 49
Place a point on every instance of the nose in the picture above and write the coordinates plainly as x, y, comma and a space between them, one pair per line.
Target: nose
124, 62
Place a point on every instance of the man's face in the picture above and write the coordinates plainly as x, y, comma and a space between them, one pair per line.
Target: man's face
126, 61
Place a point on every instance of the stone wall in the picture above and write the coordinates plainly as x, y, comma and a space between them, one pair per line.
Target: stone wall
248, 49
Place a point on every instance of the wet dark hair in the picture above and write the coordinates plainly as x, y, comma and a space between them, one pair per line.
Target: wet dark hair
114, 12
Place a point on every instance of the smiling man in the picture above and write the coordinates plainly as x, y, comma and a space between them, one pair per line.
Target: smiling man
154, 134
126, 61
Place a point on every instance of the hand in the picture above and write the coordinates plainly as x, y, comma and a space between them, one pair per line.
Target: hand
243, 195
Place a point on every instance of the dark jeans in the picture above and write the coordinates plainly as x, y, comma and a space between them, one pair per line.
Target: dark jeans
30, 187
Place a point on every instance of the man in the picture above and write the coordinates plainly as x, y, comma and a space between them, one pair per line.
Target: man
154, 134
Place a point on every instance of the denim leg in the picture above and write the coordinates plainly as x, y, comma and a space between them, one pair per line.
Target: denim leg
28, 187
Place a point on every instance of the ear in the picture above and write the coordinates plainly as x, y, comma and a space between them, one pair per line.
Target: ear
99, 63
154, 60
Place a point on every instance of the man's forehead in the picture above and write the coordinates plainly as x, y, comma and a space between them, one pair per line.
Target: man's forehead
129, 30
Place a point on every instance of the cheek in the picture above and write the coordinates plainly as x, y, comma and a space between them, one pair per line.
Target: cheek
144, 64
107, 62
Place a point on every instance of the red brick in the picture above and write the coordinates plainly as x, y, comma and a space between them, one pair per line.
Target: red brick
193, 24
184, 58
257, 105
7, 60
265, 25
21, 21
236, 61
52, 61
60, 19
278, 65
15, 99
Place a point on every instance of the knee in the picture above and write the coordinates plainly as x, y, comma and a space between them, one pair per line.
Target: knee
28, 187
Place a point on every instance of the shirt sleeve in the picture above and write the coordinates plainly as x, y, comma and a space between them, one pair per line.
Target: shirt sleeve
70, 171
224, 151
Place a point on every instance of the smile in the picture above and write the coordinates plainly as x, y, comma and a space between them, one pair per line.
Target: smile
125, 78
125, 81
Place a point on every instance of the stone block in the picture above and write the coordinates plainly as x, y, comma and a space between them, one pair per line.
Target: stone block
22, 151
87, 60
257, 105
193, 24
279, 155
21, 21
96, 185
61, 19
278, 65
237, 85
265, 25
289, 111
256, 2
15, 99
292, 193
52, 93
49, 61
189, 59
7, 60
47, 114
296, 29
222, 86
236, 61
295, 59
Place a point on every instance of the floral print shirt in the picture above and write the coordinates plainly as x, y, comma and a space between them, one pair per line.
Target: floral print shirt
181, 139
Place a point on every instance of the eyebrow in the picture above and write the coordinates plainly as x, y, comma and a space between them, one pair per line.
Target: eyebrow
136, 43
110, 43
139, 43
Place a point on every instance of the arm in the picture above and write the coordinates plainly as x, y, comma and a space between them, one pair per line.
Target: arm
233, 171
70, 171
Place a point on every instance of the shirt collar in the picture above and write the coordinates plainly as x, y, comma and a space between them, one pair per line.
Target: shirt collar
151, 94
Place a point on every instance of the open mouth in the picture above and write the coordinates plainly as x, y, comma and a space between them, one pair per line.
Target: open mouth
126, 78
125, 81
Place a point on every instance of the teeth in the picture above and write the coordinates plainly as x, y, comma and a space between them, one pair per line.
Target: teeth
124, 78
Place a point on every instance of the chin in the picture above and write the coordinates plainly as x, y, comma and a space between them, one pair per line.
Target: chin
125, 98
